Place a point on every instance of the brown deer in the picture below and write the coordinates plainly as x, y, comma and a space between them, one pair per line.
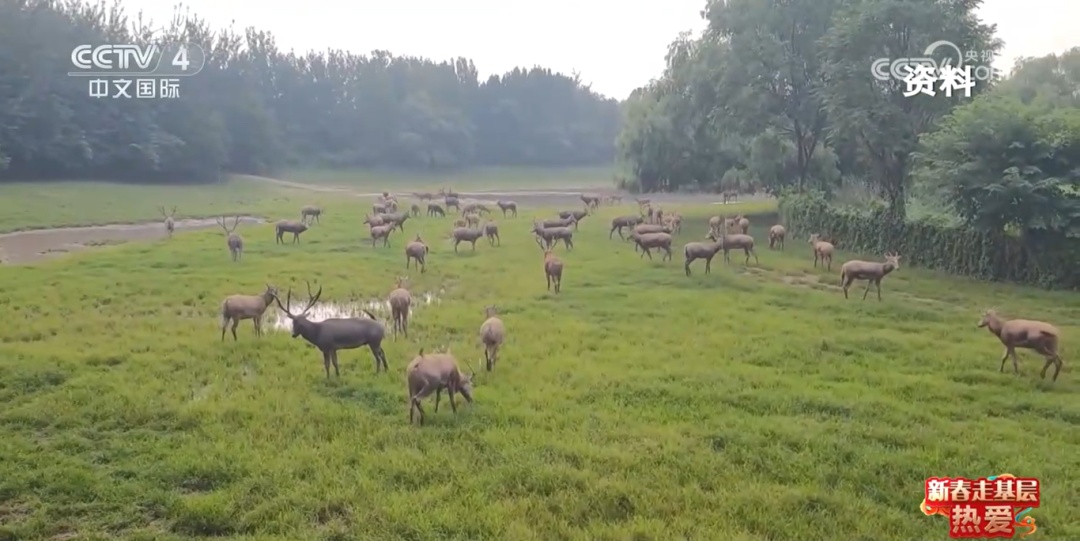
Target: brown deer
233, 240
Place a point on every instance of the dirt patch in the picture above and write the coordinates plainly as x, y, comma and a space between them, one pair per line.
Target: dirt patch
37, 244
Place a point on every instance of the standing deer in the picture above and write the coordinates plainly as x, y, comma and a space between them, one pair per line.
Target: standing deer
311, 213
416, 250
507, 206
289, 226
400, 301
492, 334
1026, 334
553, 268
434, 373
234, 241
169, 224
239, 307
870, 271
332, 335
823, 251
491, 231
776, 237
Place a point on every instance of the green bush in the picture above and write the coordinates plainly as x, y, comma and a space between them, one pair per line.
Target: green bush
1042, 258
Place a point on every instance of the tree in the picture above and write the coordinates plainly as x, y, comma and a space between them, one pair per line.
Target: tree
1052, 80
885, 123
254, 108
1002, 163
774, 77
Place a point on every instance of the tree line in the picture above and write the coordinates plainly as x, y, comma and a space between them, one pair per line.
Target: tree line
779, 95
255, 108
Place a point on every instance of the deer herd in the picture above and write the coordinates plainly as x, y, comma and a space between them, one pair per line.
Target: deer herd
650, 229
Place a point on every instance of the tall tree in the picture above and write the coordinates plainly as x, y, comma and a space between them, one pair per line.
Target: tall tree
775, 73
886, 123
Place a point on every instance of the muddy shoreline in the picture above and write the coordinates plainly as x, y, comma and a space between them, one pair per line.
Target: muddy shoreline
32, 245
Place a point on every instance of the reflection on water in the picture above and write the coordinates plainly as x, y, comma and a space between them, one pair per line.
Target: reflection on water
326, 310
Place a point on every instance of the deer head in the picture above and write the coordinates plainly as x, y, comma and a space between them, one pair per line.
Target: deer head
299, 321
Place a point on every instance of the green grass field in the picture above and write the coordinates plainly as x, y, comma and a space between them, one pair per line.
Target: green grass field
486, 178
751, 404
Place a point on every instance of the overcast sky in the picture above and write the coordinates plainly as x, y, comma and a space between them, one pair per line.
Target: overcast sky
615, 45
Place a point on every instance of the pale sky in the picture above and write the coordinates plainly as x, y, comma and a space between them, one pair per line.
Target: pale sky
615, 45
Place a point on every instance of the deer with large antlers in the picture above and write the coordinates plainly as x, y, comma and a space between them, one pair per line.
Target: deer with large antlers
232, 239
334, 334
170, 225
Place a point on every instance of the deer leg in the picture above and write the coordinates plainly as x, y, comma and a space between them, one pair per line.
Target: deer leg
326, 363
667, 253
438, 396
386, 241
1057, 365
847, 284
569, 244
756, 260
815, 260
423, 266
333, 359
296, 238
455, 246
453, 403
416, 398
235, 324
686, 267
877, 284
224, 325
1004, 357
830, 263
1016, 362
868, 284
548, 276
498, 238
405, 324
558, 284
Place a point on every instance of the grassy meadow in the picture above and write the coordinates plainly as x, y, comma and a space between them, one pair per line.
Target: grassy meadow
751, 404
36, 205
477, 179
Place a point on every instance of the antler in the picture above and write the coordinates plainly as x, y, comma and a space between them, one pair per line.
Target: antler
162, 211
313, 298
173, 213
288, 302
221, 222
472, 371
235, 223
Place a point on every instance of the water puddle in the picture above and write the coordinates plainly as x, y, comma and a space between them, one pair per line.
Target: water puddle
380, 308
36, 244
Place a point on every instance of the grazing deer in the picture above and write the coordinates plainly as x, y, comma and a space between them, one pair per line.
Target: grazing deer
289, 226
239, 307
169, 224
334, 334
233, 240
434, 373
310, 212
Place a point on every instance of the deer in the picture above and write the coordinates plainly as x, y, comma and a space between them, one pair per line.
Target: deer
465, 234
397, 219
619, 222
743, 223
400, 301
641, 202
472, 220
381, 232
614, 200
823, 251
416, 250
310, 212
730, 195
448, 192
233, 240
492, 334
715, 223
553, 270
674, 222
776, 237
236, 308
373, 221
415, 210
560, 222
590, 200
645, 229
380, 208
491, 231
736, 242
577, 215
648, 241
289, 226
424, 196
1039, 336
702, 250
170, 225
433, 209
452, 201
870, 271
507, 206
552, 235
433, 373
334, 334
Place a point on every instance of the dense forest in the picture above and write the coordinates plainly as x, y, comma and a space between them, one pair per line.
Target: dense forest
255, 108
779, 96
